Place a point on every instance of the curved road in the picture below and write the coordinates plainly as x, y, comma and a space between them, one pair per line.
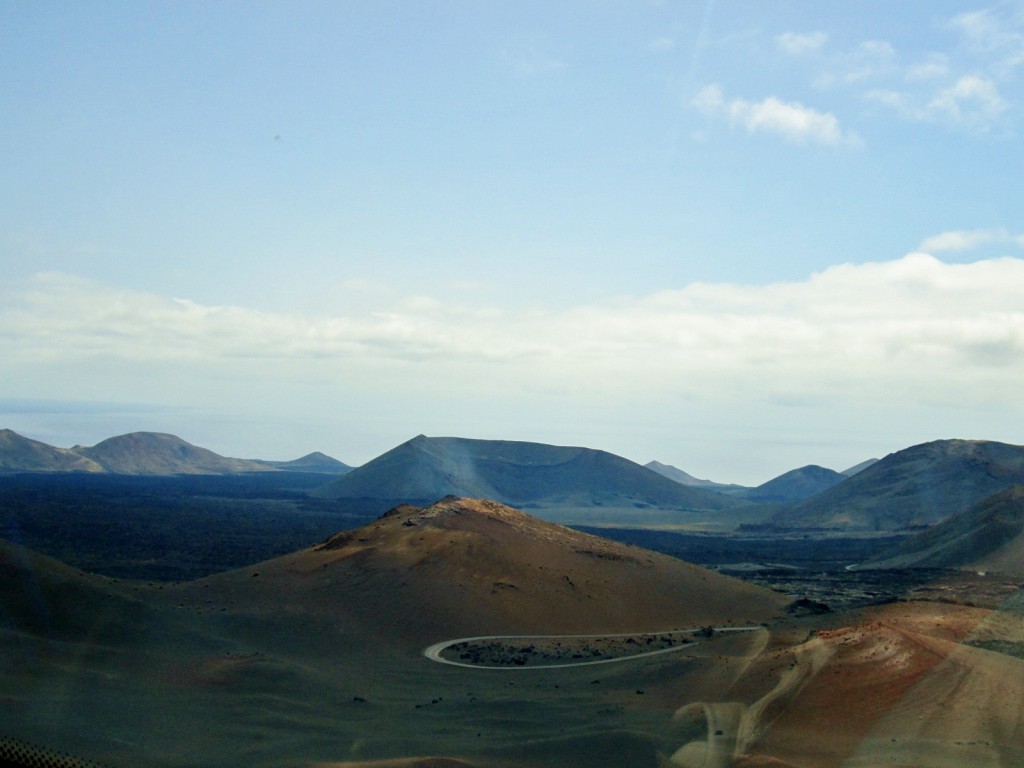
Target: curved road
434, 651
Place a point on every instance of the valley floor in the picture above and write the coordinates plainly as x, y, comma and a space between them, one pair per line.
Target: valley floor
919, 683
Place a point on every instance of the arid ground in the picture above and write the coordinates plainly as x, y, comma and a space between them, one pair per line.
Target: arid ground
317, 659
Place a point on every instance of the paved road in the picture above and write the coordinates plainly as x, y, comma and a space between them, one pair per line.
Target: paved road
434, 651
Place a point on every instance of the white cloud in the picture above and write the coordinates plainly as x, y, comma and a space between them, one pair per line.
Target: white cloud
798, 44
996, 36
961, 87
899, 331
972, 103
968, 239
791, 120
971, 100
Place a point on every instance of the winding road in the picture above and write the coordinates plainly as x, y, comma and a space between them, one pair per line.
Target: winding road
434, 651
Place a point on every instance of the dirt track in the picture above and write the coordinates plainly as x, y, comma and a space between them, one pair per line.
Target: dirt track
435, 651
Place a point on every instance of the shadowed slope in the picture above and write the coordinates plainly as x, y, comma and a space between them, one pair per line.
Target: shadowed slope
988, 536
43, 596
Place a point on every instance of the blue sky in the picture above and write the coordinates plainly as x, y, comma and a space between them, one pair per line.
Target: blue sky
737, 237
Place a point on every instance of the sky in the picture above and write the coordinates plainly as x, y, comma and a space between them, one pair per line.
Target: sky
734, 237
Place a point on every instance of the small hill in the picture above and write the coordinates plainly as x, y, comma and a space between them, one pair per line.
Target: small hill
795, 485
155, 453
518, 473
918, 486
316, 462
22, 454
989, 536
466, 567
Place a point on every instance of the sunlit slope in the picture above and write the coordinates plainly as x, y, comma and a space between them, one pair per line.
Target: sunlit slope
920, 485
155, 453
518, 473
988, 536
22, 454
466, 567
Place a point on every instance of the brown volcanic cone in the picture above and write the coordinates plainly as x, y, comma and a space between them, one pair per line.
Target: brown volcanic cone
465, 567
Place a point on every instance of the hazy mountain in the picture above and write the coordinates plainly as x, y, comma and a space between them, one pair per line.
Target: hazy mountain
988, 536
315, 462
22, 454
917, 486
427, 468
685, 478
858, 467
795, 485
155, 453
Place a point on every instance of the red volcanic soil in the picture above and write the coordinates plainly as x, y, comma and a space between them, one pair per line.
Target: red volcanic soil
900, 688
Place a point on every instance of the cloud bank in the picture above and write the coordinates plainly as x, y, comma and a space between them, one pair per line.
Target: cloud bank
905, 331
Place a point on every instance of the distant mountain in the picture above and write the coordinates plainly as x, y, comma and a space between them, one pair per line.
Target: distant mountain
795, 485
315, 462
858, 467
155, 453
917, 486
685, 478
22, 454
427, 468
988, 536
145, 453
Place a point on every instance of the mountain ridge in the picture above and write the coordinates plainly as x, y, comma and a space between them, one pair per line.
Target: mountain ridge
914, 487
23, 454
685, 478
159, 453
514, 472
143, 453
